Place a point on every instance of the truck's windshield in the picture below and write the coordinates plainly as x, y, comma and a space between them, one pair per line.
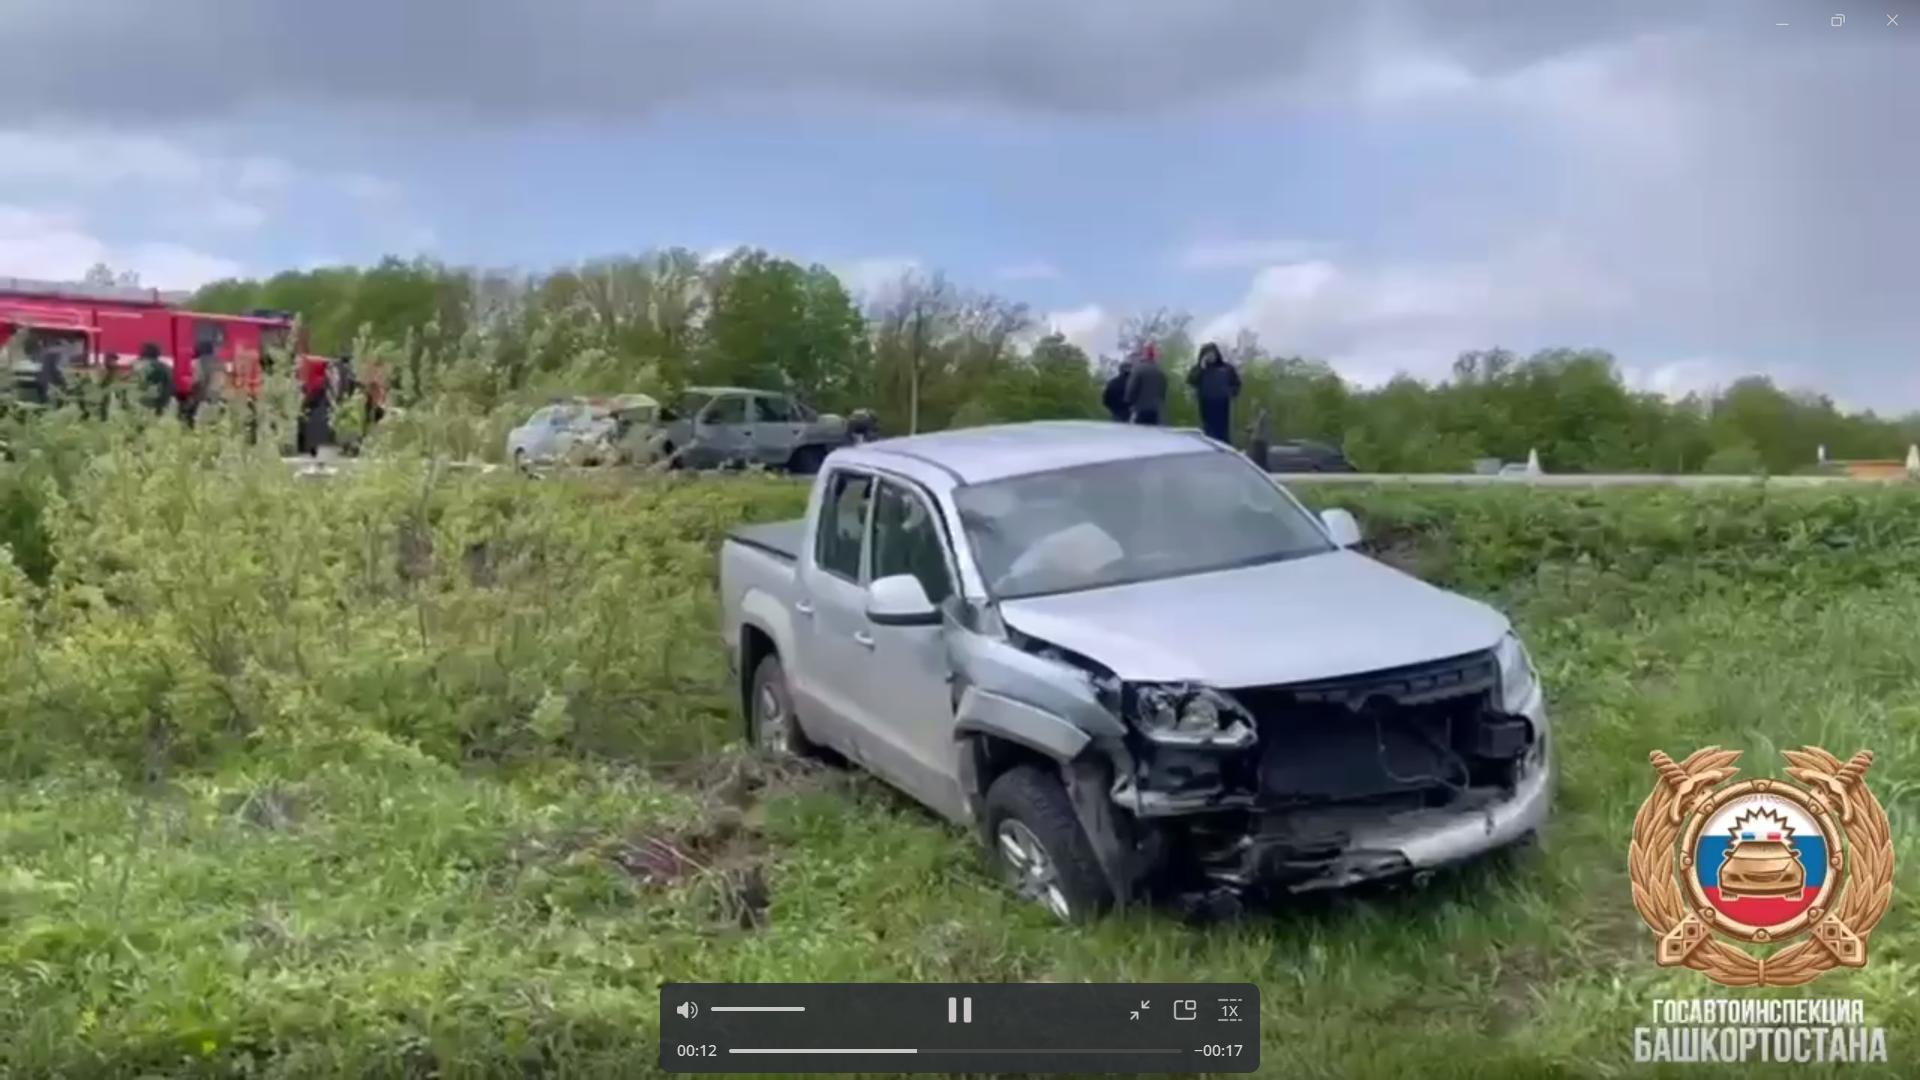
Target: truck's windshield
1124, 522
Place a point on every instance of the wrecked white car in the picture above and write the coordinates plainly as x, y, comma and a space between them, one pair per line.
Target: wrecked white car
1136, 664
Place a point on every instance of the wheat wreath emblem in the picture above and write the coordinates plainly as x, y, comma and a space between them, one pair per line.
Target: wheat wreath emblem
1692, 933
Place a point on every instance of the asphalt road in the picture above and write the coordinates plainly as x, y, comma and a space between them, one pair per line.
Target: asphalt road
329, 467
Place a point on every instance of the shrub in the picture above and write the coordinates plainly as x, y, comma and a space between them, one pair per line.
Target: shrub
423, 769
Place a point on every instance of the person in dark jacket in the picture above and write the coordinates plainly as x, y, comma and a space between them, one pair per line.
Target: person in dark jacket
50, 378
202, 383
155, 378
1147, 387
863, 426
1114, 396
1215, 384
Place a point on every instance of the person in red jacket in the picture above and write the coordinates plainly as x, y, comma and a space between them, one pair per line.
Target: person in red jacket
316, 392
183, 385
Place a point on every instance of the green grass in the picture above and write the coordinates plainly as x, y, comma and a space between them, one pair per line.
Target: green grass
332, 896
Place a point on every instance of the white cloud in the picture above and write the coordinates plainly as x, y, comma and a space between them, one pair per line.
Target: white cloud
871, 277
99, 159
1693, 375
57, 246
171, 187
1028, 271
1372, 322
1093, 328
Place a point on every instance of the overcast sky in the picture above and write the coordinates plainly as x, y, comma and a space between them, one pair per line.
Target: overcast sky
1377, 184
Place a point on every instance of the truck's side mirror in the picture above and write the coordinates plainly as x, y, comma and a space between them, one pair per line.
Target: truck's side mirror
1342, 529
900, 600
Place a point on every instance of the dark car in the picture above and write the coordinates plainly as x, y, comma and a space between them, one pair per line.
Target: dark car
1305, 456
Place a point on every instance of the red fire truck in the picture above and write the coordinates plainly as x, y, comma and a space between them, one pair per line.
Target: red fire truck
88, 326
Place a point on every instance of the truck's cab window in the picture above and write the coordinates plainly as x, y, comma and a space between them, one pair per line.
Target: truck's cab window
907, 540
843, 524
274, 342
210, 337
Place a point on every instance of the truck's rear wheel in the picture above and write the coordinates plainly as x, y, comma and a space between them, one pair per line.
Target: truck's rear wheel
771, 724
1041, 849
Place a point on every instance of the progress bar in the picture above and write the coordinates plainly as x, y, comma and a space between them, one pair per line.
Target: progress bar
757, 1008
1108, 1050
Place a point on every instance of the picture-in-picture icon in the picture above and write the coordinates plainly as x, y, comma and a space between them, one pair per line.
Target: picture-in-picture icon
1839, 20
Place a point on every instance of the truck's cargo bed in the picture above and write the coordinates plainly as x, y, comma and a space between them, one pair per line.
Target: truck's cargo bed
779, 538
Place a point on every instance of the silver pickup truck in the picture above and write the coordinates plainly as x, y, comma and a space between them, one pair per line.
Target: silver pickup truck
1136, 665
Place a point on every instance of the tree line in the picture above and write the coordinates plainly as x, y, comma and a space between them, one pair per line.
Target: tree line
926, 353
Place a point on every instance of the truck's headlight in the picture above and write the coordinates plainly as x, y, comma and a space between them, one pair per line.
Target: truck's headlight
1517, 677
1191, 716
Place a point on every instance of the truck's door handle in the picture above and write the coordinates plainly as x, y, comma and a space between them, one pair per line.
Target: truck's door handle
863, 639
803, 609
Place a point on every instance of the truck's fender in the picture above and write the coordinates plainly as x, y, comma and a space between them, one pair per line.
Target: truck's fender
1039, 695
761, 610
1087, 765
1051, 708
983, 712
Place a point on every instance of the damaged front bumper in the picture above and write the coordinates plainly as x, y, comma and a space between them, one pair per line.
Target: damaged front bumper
1281, 820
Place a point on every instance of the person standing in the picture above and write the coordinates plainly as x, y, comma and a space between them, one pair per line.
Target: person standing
1114, 396
1146, 397
106, 386
315, 405
374, 389
1215, 384
50, 375
203, 386
155, 378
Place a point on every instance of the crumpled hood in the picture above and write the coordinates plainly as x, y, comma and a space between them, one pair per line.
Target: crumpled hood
1319, 617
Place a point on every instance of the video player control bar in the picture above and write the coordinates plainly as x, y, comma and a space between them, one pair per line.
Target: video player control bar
941, 1028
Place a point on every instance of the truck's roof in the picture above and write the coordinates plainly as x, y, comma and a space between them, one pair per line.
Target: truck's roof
982, 454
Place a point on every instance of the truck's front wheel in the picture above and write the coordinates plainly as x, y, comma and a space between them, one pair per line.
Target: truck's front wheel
770, 721
1040, 847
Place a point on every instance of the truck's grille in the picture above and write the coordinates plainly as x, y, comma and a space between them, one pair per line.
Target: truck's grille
1457, 676
1386, 733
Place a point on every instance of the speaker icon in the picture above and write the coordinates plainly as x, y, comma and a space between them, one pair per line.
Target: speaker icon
687, 1010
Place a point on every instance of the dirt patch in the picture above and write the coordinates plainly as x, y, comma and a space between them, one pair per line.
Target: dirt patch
740, 777
725, 855
1516, 984
723, 842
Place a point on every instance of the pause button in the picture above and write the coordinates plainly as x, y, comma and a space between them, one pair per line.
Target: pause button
960, 1010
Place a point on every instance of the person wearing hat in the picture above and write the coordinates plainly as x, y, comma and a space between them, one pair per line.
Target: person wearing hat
1215, 384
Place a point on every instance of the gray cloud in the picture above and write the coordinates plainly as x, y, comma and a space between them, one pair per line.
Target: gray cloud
606, 59
1709, 181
